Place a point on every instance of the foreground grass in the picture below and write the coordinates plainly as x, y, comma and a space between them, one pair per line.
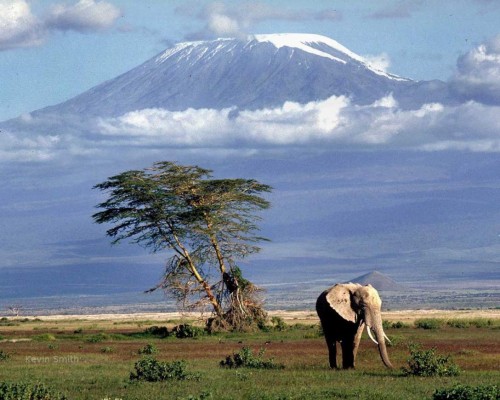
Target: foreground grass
95, 361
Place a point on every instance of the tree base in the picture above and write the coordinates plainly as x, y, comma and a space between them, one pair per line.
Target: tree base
251, 318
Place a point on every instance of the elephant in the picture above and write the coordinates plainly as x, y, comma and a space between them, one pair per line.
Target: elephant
344, 310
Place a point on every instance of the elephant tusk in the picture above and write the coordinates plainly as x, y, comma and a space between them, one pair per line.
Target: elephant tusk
371, 335
389, 340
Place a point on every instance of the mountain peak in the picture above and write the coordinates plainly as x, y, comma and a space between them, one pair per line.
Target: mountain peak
378, 280
322, 46
314, 44
262, 71
309, 43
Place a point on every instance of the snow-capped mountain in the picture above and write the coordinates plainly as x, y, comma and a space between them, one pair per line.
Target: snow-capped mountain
362, 182
263, 71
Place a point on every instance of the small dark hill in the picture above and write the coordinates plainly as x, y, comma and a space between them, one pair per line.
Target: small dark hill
379, 281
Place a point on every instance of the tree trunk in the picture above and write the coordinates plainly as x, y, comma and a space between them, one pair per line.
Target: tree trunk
192, 268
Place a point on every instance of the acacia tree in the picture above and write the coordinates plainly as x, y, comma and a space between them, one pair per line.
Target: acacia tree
205, 224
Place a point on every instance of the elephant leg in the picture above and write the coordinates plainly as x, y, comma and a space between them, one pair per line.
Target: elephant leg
347, 353
332, 352
357, 339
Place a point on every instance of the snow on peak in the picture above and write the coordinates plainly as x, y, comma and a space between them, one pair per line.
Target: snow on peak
303, 42
186, 47
311, 43
307, 41
173, 50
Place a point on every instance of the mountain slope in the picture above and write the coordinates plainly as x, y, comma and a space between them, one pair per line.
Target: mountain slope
264, 71
378, 280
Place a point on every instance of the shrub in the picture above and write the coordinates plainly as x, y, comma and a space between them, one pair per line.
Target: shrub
148, 349
393, 325
428, 363
160, 331
184, 331
278, 324
4, 321
150, 369
28, 391
3, 355
482, 323
458, 323
466, 323
428, 323
464, 392
100, 337
245, 358
107, 349
45, 337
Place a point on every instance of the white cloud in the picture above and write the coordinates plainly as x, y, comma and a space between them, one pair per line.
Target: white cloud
18, 26
334, 122
27, 148
226, 19
379, 62
291, 124
83, 16
478, 73
203, 127
223, 25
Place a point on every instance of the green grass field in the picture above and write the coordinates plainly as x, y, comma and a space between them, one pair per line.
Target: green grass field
94, 359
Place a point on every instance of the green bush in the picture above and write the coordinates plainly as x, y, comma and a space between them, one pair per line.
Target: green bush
393, 325
150, 369
428, 323
160, 331
428, 363
278, 324
482, 323
97, 338
458, 323
246, 359
107, 349
464, 392
184, 331
466, 323
148, 349
4, 321
3, 355
28, 391
45, 337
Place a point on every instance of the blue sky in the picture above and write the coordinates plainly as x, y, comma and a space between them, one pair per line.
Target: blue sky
53, 50
412, 192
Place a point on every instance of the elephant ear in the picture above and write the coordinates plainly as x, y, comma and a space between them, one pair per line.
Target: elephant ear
339, 298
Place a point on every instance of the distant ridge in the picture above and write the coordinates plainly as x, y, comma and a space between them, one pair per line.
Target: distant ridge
379, 281
264, 71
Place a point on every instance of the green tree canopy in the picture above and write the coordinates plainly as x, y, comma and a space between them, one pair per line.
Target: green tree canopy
205, 224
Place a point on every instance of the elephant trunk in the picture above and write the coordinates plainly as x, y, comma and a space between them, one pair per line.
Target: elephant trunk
375, 323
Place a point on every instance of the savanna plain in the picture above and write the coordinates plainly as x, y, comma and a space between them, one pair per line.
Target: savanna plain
97, 357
